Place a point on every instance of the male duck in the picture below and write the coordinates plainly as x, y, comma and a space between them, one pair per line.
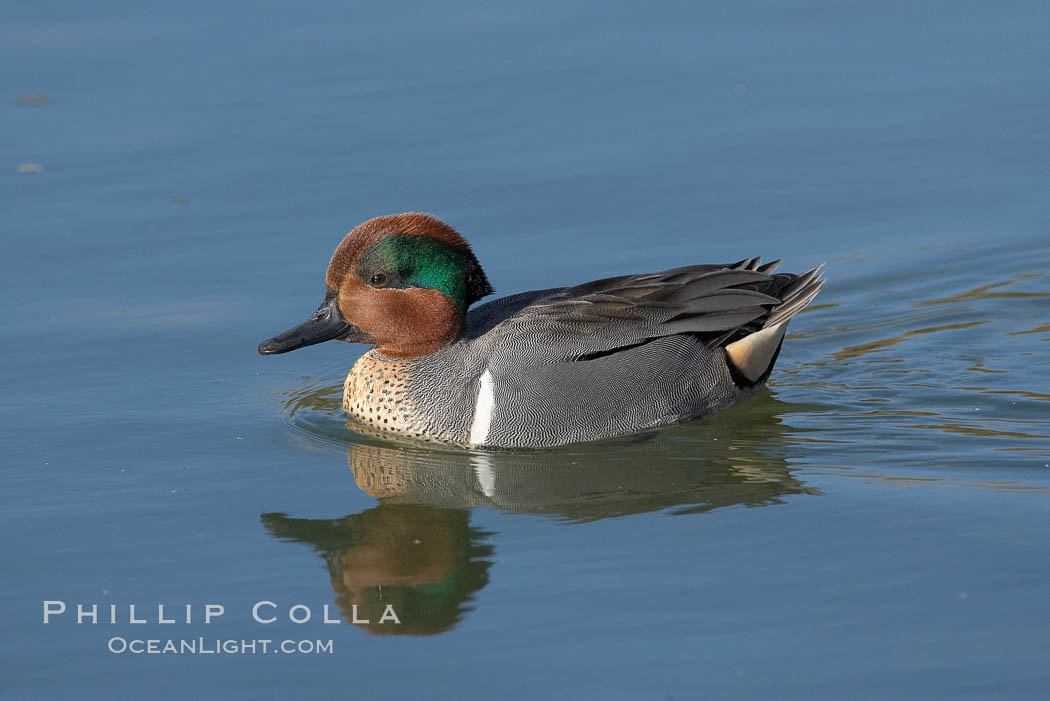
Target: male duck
546, 367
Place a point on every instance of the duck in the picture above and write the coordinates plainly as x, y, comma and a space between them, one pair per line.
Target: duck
544, 368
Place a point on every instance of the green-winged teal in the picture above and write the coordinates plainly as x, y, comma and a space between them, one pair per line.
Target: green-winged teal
546, 367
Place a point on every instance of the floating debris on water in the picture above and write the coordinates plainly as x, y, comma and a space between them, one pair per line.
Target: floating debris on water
30, 168
33, 99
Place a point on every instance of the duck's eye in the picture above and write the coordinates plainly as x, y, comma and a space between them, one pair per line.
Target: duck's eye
379, 279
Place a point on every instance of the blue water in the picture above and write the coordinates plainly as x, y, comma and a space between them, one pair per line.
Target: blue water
173, 179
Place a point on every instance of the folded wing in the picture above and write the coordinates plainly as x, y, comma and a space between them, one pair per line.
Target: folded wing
720, 304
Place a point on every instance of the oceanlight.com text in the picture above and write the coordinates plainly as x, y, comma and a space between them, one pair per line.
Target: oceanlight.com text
216, 646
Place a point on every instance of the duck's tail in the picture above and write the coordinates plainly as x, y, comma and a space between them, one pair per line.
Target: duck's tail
752, 357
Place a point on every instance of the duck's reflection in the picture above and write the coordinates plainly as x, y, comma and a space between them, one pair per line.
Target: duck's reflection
417, 551
424, 561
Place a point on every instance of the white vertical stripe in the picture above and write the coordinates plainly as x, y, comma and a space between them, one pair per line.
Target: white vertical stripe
484, 474
479, 428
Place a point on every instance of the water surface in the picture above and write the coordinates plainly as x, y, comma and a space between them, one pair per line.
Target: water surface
175, 177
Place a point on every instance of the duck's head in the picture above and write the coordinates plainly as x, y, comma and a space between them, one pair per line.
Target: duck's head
402, 283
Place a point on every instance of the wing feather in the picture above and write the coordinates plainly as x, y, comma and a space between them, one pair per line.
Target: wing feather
717, 303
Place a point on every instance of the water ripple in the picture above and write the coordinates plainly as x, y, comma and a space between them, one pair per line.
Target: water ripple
977, 350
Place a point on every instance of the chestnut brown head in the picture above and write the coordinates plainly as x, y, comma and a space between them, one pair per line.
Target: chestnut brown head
401, 282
